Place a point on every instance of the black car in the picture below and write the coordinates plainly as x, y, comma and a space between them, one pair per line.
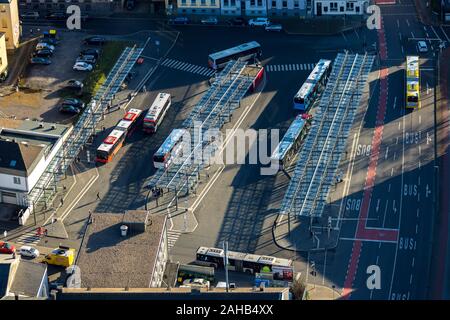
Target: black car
40, 60
51, 41
68, 108
178, 20
73, 102
44, 53
95, 41
56, 16
90, 52
74, 84
238, 21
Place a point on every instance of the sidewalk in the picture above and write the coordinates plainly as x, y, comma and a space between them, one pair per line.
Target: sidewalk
318, 292
425, 14
321, 26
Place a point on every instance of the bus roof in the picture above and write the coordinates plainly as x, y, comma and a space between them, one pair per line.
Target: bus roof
170, 141
412, 68
132, 114
234, 50
313, 78
275, 261
157, 105
109, 141
289, 138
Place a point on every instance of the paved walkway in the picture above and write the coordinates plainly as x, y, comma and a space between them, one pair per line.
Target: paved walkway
318, 292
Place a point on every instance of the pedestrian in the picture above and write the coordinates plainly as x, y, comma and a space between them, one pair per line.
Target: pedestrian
78, 159
98, 196
62, 202
5, 234
64, 187
14, 254
144, 88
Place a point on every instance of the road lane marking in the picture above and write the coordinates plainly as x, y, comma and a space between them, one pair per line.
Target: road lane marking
412, 262
398, 24
389, 188
437, 36
392, 172
420, 119
378, 205
386, 155
417, 228
445, 34
385, 211
420, 150
359, 240
407, 22
419, 181
410, 281
395, 155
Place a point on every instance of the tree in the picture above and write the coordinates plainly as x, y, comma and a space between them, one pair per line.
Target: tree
298, 288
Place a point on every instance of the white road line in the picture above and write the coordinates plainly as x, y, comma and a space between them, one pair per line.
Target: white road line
412, 34
324, 267
401, 201
410, 279
437, 36
417, 228
392, 172
420, 150
297, 66
385, 211
398, 24
420, 119
389, 188
419, 181
386, 154
445, 34
395, 155
412, 262
368, 240
407, 22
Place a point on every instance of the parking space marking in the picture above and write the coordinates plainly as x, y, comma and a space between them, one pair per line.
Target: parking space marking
187, 67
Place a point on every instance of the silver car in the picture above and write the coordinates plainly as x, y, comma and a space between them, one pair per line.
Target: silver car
274, 27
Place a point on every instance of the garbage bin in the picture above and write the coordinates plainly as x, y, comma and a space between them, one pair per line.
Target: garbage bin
124, 230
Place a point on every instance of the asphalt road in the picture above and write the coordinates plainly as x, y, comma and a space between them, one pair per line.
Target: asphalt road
241, 206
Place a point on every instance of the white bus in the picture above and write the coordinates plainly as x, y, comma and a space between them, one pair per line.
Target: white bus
313, 86
245, 51
156, 112
172, 147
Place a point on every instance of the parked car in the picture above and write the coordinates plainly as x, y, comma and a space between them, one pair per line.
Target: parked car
422, 46
50, 41
40, 60
44, 45
30, 252
74, 84
67, 108
73, 102
90, 52
274, 27
259, 22
5, 247
95, 41
56, 16
196, 282
238, 21
45, 53
82, 66
30, 15
178, 20
209, 21
87, 59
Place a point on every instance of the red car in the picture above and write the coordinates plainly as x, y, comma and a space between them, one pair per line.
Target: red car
5, 247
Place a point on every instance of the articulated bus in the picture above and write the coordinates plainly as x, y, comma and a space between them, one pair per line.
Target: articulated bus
242, 262
172, 147
156, 112
290, 144
114, 141
245, 51
313, 86
412, 82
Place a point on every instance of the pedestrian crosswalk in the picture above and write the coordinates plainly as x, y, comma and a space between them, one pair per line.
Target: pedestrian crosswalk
289, 67
28, 238
188, 67
172, 237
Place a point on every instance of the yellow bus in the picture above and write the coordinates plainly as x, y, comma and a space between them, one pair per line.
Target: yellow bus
412, 82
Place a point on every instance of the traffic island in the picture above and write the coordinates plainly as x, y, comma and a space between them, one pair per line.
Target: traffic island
56, 229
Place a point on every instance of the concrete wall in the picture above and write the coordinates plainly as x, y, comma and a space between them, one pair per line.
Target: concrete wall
3, 57
9, 23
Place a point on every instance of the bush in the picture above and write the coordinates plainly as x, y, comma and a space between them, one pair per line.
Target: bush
298, 289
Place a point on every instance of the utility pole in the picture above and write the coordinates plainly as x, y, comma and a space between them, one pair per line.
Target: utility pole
225, 262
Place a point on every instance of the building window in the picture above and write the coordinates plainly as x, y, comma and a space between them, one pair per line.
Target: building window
350, 6
274, 4
16, 180
183, 2
341, 9
193, 2
213, 2
325, 9
252, 2
203, 2
296, 4
233, 3
259, 3
357, 9
225, 3
333, 6
284, 4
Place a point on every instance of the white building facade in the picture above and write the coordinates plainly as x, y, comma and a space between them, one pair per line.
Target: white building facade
202, 7
285, 8
340, 7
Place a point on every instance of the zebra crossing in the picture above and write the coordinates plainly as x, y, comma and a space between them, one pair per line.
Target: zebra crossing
172, 237
188, 67
289, 67
28, 238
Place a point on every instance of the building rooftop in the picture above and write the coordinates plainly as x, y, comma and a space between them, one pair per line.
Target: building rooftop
28, 278
24, 142
172, 294
5, 269
108, 260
